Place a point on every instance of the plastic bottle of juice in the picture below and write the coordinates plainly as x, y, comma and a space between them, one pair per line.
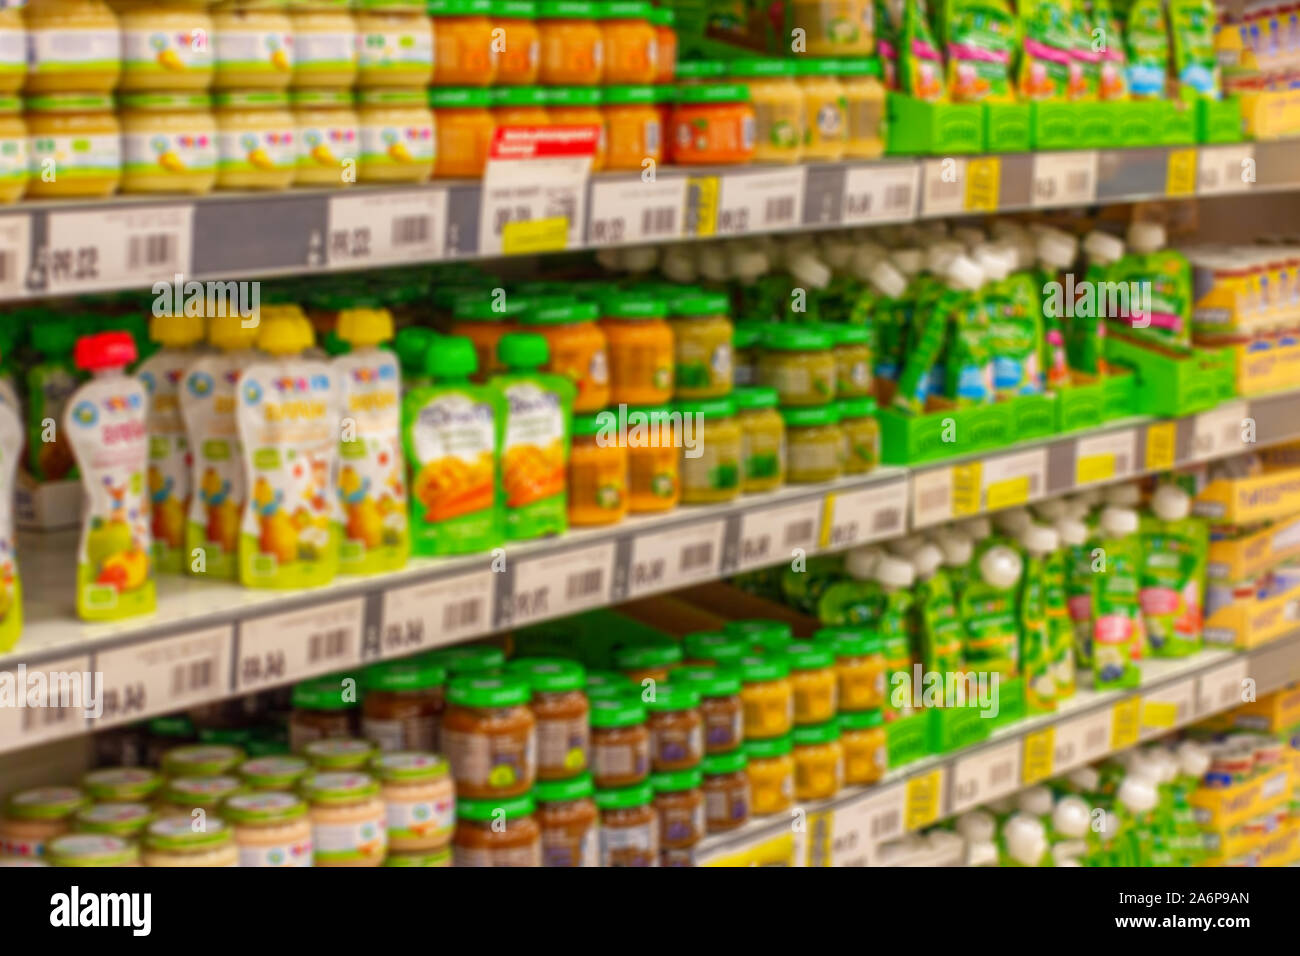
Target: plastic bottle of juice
11, 449
105, 423
372, 469
49, 383
217, 485
169, 452
289, 426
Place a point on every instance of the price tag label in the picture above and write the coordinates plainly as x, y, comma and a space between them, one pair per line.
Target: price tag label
880, 193
124, 246
967, 489
882, 814
1105, 457
923, 799
818, 831
1168, 707
1001, 482
985, 775
932, 497
770, 535
1040, 752
1221, 688
983, 183
386, 228
676, 557
1125, 723
1217, 433
781, 850
15, 255
535, 189
282, 648
761, 202
702, 206
944, 189
850, 845
558, 584
1226, 169
51, 700
863, 515
432, 613
1180, 178
1081, 741
171, 673
1162, 443
624, 211
1065, 179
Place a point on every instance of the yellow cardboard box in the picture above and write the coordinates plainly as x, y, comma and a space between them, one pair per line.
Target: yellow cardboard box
1267, 497
1252, 622
1223, 809
1243, 558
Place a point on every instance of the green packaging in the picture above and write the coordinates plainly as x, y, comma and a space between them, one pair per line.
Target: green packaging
1160, 281
1112, 78
1015, 333
1047, 71
1085, 333
1146, 44
1036, 646
939, 632
1117, 629
1174, 549
920, 65
11, 590
1196, 66
988, 608
978, 39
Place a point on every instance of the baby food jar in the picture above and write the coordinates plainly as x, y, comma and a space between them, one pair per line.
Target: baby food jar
779, 117
394, 46
713, 650
828, 133
252, 48
181, 796
34, 817
431, 858
398, 142
497, 833
620, 741
419, 800
767, 697
629, 826
598, 474
13, 50
728, 794
13, 150
578, 348
762, 439
169, 143
653, 476
630, 42
746, 341
859, 666
763, 635
798, 361
679, 812
676, 728
348, 818
464, 51
270, 829
818, 761
403, 704
121, 784
572, 45
711, 451
76, 137
164, 46
175, 842
560, 707
852, 350
836, 27
640, 347
465, 129
339, 753
648, 661
861, 435
255, 140
720, 705
632, 127
816, 691
274, 772
701, 344
519, 58
125, 820
329, 134
520, 106
490, 736
72, 45
201, 760
465, 659
713, 124
324, 45
580, 106
663, 19
814, 443
320, 710
92, 849
566, 814
866, 753
485, 320
864, 107
770, 770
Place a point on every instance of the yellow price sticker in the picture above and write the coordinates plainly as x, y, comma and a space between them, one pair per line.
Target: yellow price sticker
1161, 441
820, 827
921, 800
1007, 493
966, 485
1160, 714
1092, 468
703, 190
983, 183
1181, 179
778, 851
535, 235
1125, 723
1039, 752
828, 517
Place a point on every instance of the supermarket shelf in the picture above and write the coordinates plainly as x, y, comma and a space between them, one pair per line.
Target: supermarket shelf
56, 248
845, 831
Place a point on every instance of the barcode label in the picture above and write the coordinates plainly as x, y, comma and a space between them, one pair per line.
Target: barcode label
1220, 432
434, 612
281, 648
1013, 479
696, 556
584, 584
1225, 169
154, 677
866, 514
411, 229
462, 614
623, 212
771, 200
327, 646
674, 557
986, 775
778, 210
560, 584
85, 251
1064, 179
25, 726
772, 535
660, 221
194, 676
152, 251
386, 228
879, 193
15, 255
1105, 457
1221, 688
944, 190
799, 533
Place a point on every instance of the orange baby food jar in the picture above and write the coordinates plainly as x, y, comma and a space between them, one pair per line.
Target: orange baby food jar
640, 344
520, 106
573, 47
653, 469
631, 44
633, 127
521, 46
578, 348
463, 49
580, 106
597, 475
465, 128
713, 124
663, 21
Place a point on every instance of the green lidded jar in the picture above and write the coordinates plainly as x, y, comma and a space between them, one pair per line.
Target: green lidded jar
702, 344
629, 826
728, 794
201, 760
339, 753
814, 443
762, 438
767, 696
323, 707
721, 707
764, 635
620, 741
853, 360
275, 772
711, 451
812, 673
490, 734
403, 705
861, 434
799, 362
500, 832
818, 761
714, 648
121, 784
125, 820
859, 665
92, 849
173, 841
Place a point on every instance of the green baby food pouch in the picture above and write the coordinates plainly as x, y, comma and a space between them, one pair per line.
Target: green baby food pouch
1108, 40
968, 363
411, 345
1084, 54
1160, 290
1036, 644
1147, 47
1059, 624
1174, 548
940, 636
49, 383
1085, 333
11, 590
988, 608
920, 66
1047, 70
889, 17
1015, 331
1117, 627
1196, 66
978, 38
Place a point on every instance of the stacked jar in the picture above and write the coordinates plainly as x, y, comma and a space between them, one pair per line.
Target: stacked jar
860, 677
726, 789
327, 47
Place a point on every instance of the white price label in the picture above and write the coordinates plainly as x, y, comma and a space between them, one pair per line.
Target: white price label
386, 228
1105, 457
124, 246
535, 189
1064, 179
770, 535
1014, 479
880, 193
866, 514
850, 834
561, 583
1081, 740
882, 814
15, 255
991, 773
436, 612
1221, 689
1169, 707
1218, 433
628, 211
944, 192
1229, 168
47, 701
932, 497
760, 202
675, 557
172, 673
283, 648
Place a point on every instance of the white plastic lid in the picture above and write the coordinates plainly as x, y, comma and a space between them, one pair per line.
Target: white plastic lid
809, 271
894, 572
956, 547
1171, 503
968, 236
1086, 779
610, 259
906, 545
1004, 228
979, 527
679, 265
1164, 763
1026, 250
1053, 509
1040, 539
1138, 793
939, 254
976, 825
1056, 249
837, 253
1036, 801
1193, 759
910, 261
713, 263
1025, 839
1065, 860
1071, 816
1146, 237
1102, 247
1127, 495
1118, 522
963, 273
887, 279
640, 258
1071, 531
992, 262
861, 563
981, 853
1013, 520
1089, 496
926, 560
748, 264
1000, 567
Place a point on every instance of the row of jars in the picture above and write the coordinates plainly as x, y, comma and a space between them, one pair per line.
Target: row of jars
85, 46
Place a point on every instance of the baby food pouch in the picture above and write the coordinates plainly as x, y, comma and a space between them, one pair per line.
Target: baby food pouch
920, 66
1112, 69
1047, 71
978, 37
288, 416
169, 450
105, 422
11, 591
1085, 337
1036, 648
894, 578
452, 432
1084, 54
1174, 546
1146, 44
1160, 284
1059, 624
217, 487
1196, 66
968, 363
881, 305
1116, 614
888, 19
49, 383
1015, 326
372, 470
1056, 253
535, 447
411, 345
939, 632
988, 608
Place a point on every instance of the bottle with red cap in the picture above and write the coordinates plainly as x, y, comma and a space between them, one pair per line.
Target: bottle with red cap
105, 423
11, 449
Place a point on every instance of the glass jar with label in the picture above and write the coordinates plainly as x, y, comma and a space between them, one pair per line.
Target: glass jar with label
720, 705
578, 348
339, 753
866, 748
664, 19
165, 46
711, 451
520, 106
490, 736
394, 47
13, 50
201, 760
653, 477
861, 435
181, 796
403, 702
466, 126
92, 849
630, 43
818, 761
712, 124
14, 166
121, 784
255, 140
419, 799
572, 46
746, 340
676, 728
497, 833
859, 666
34, 817
252, 47
770, 770
647, 661
175, 842
580, 106
620, 741
836, 27
763, 635
519, 58
72, 45
125, 820
324, 45
328, 137
169, 143
762, 438
779, 118
274, 772
640, 347
714, 650
398, 138
629, 826
799, 362
348, 818
864, 101
702, 344
74, 146
464, 51
560, 707
812, 673
270, 829
566, 813
321, 709
814, 443
633, 127
824, 105
679, 807
852, 350
598, 474
431, 858
767, 696
728, 795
